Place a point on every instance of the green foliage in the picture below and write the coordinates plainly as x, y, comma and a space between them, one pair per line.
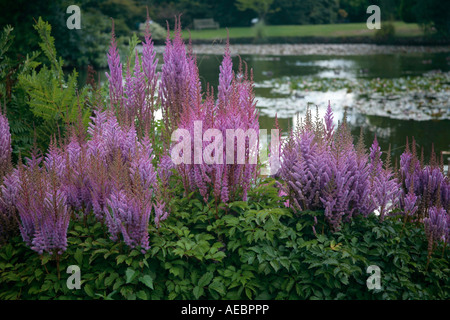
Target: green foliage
40, 99
248, 250
433, 16
261, 7
11, 67
386, 33
156, 30
406, 10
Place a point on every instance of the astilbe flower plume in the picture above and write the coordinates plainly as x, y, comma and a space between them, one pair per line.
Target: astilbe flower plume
8, 217
108, 140
8, 213
122, 178
428, 182
224, 179
134, 100
175, 77
42, 207
115, 76
76, 182
436, 224
130, 214
303, 169
109, 137
436, 228
163, 193
410, 206
149, 66
384, 185
323, 171
130, 201
5, 145
236, 111
51, 235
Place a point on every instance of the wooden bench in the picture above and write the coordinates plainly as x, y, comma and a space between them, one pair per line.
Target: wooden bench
205, 24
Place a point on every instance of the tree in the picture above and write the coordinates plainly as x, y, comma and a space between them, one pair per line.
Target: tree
434, 14
407, 10
261, 7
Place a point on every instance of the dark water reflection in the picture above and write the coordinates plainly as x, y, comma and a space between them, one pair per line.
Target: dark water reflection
388, 131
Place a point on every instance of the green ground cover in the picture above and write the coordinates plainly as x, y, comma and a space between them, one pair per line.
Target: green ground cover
321, 30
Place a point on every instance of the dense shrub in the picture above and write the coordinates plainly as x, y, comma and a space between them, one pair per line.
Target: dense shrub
250, 250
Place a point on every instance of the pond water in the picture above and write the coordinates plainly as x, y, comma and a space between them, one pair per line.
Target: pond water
414, 99
394, 95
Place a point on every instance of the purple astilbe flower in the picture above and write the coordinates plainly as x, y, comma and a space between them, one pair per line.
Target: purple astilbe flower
97, 123
8, 213
75, 180
436, 228
31, 192
165, 169
141, 164
429, 183
163, 194
43, 210
181, 92
410, 170
174, 86
112, 138
240, 115
225, 77
161, 213
55, 160
9, 189
328, 119
135, 85
410, 206
51, 233
326, 173
303, 170
149, 65
129, 216
347, 188
384, 186
436, 224
5, 145
99, 182
114, 76
289, 157
433, 186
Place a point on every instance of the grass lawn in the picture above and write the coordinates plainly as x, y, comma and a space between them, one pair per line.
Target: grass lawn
319, 30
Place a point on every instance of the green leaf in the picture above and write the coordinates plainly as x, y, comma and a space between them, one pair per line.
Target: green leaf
198, 292
218, 286
141, 295
147, 280
89, 291
121, 258
275, 265
130, 274
109, 280
205, 279
79, 256
248, 293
